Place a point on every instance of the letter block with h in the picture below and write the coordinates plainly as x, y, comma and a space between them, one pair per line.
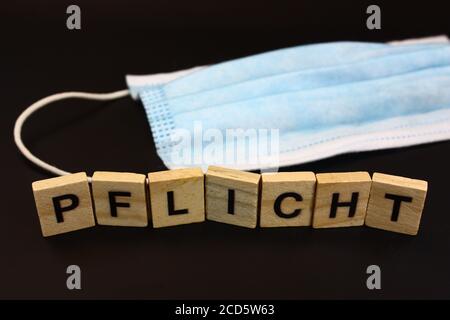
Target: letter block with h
341, 199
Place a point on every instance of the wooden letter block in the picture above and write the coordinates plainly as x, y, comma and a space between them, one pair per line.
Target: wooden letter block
177, 197
341, 199
232, 196
63, 204
120, 199
287, 199
396, 203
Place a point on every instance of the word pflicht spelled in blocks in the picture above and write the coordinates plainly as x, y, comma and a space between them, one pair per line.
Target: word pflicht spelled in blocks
182, 196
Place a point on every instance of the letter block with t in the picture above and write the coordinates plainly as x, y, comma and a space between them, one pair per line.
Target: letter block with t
396, 203
120, 199
232, 196
177, 197
287, 199
63, 204
341, 199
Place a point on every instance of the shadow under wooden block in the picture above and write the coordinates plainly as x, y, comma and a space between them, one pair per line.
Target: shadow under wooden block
177, 197
287, 199
341, 199
396, 203
120, 199
232, 196
63, 204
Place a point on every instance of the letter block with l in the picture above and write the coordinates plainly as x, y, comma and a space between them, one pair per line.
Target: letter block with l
177, 197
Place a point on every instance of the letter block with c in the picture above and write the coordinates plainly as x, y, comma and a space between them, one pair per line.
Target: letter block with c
287, 199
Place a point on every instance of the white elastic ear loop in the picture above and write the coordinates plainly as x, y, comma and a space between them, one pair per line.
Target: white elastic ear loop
42, 103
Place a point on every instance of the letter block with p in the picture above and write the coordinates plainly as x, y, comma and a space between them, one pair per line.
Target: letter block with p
396, 203
64, 204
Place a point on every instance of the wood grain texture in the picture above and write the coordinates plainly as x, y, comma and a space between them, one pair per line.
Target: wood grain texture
80, 217
345, 185
185, 187
380, 211
274, 185
114, 184
244, 185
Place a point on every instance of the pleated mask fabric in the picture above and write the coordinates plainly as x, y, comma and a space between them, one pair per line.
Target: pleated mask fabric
299, 104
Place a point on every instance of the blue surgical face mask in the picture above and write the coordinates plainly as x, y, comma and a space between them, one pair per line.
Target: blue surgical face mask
301, 104
290, 106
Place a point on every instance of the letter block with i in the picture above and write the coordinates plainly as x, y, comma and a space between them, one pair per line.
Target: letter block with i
177, 197
396, 203
232, 196
341, 199
64, 204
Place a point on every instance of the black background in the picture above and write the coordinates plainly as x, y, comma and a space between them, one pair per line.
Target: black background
39, 56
